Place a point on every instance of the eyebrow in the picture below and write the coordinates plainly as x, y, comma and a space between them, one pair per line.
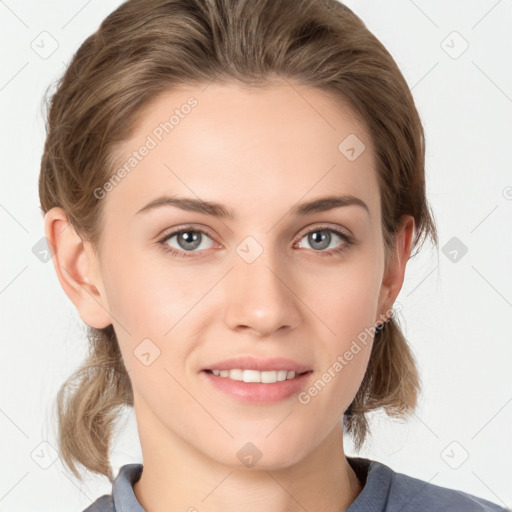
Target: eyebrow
214, 209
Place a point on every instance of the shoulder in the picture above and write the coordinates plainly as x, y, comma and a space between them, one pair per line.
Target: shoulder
386, 490
420, 495
104, 503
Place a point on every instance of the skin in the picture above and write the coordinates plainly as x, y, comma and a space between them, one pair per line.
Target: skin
258, 152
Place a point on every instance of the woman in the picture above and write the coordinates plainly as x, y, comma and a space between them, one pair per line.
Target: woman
232, 190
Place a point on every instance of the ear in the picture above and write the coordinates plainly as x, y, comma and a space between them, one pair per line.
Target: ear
394, 273
77, 269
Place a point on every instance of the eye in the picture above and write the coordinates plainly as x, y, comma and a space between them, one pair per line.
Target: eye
192, 240
321, 237
187, 241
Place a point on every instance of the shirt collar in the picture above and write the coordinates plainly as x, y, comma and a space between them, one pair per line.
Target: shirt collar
374, 477
122, 489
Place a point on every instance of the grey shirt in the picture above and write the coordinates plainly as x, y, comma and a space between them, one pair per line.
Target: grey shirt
384, 491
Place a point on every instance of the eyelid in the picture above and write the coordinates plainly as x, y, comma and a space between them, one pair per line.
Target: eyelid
326, 226
167, 233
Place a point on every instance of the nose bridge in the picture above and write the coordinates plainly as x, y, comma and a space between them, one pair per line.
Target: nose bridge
258, 292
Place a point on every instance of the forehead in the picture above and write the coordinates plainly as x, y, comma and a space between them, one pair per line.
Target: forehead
250, 148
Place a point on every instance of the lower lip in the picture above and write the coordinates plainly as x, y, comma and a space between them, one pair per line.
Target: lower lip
257, 392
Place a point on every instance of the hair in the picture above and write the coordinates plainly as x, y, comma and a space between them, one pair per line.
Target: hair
145, 48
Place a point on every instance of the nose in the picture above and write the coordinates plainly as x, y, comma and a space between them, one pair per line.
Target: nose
261, 297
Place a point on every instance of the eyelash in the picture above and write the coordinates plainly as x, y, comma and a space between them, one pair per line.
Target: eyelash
189, 254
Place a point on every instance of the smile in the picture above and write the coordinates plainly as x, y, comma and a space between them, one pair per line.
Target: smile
266, 377
258, 387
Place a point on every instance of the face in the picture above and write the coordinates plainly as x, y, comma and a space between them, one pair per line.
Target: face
255, 287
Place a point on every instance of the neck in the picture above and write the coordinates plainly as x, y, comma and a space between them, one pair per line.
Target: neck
175, 476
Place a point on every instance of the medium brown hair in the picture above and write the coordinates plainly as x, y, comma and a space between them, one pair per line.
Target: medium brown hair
145, 48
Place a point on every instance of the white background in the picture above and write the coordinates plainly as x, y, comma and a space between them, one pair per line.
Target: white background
456, 315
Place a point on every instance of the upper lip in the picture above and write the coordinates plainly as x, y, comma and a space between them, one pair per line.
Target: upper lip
252, 363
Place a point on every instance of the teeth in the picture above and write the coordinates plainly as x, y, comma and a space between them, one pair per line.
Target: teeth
267, 377
251, 376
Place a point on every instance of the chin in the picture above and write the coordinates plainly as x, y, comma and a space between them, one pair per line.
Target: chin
262, 454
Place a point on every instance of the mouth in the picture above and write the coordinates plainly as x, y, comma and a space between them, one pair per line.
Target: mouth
249, 375
258, 381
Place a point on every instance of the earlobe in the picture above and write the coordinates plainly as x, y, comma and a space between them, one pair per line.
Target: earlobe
77, 273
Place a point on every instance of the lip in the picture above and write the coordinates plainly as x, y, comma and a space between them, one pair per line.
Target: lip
258, 392
252, 363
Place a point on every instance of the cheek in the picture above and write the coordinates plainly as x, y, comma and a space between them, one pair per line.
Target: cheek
143, 308
143, 297
347, 304
346, 298
154, 312
335, 385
